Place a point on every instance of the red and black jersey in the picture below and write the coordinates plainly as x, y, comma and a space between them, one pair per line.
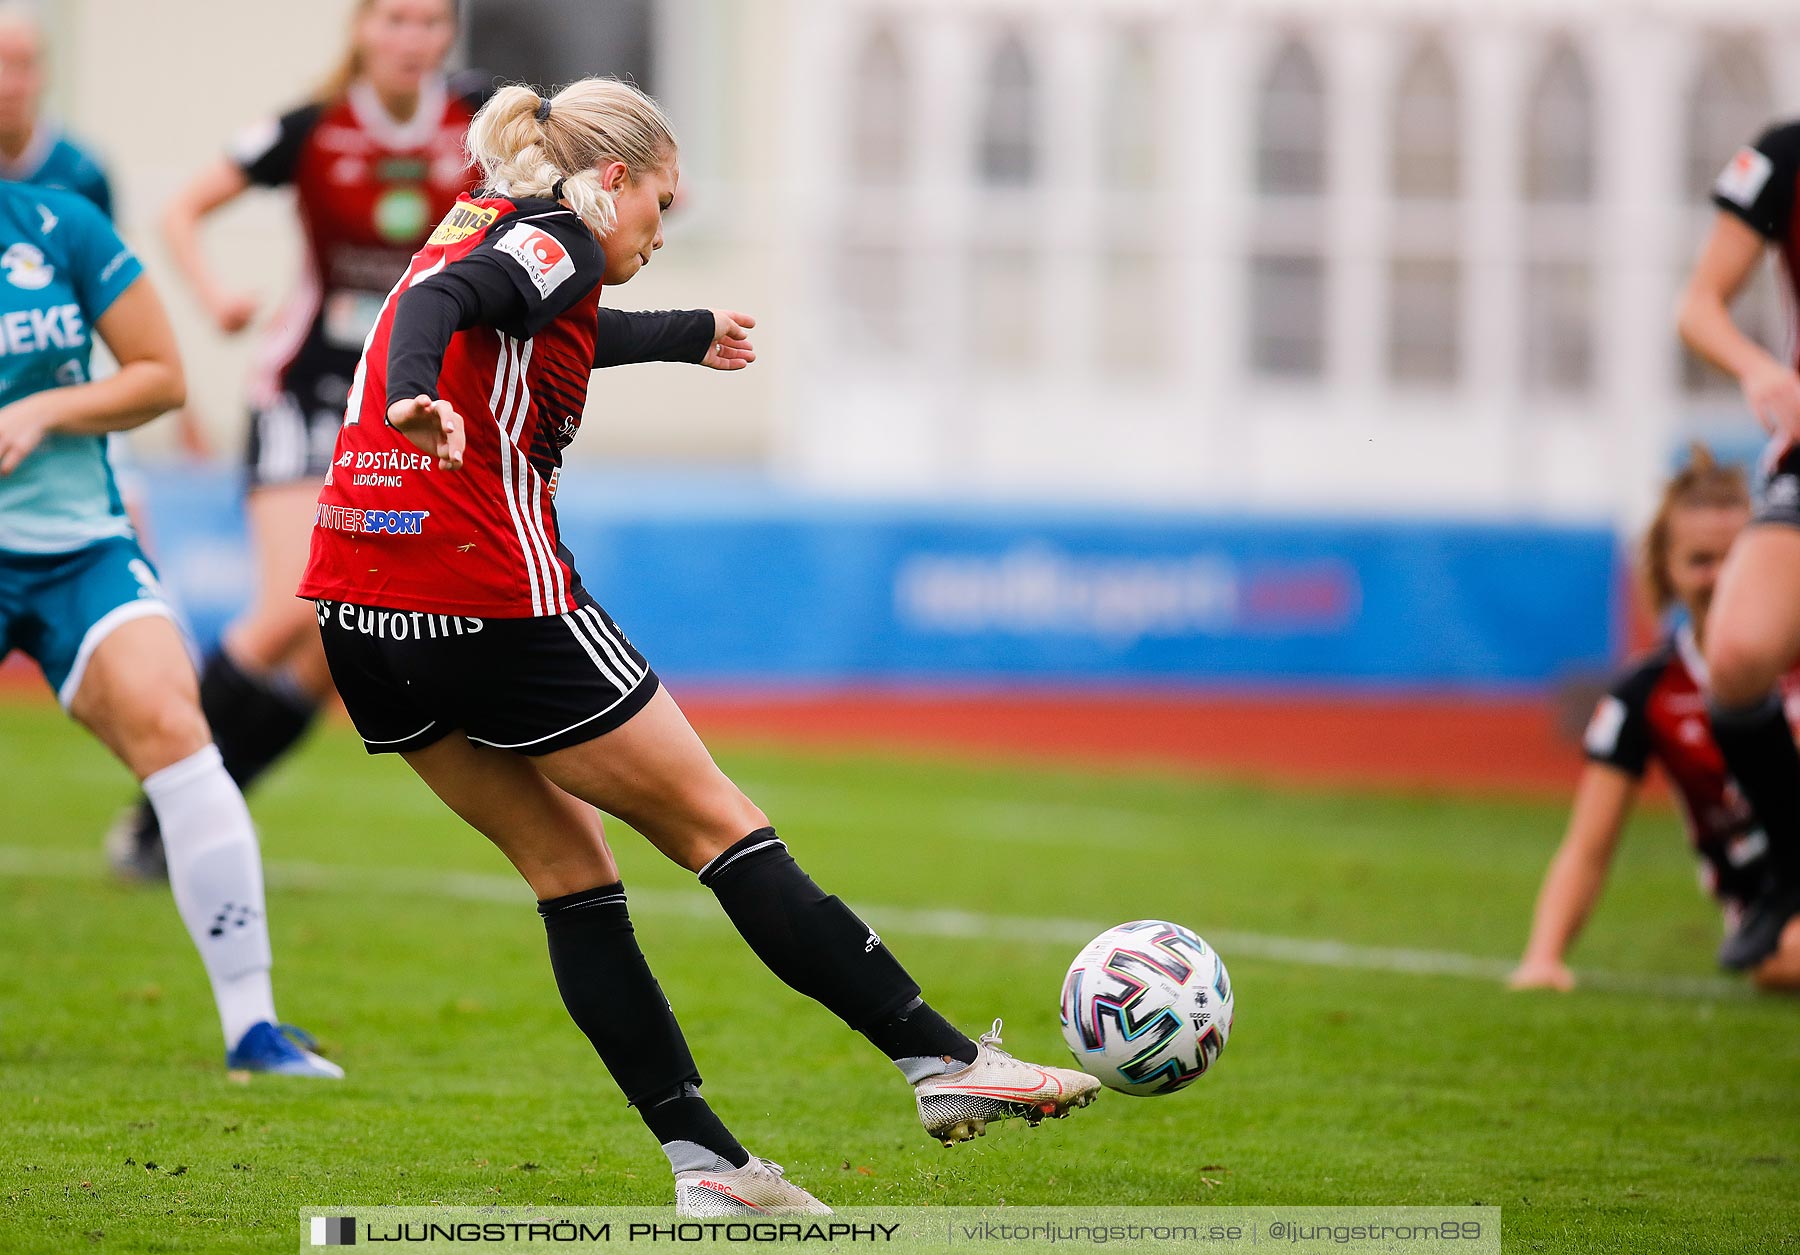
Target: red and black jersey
1761, 185
368, 190
392, 530
1656, 709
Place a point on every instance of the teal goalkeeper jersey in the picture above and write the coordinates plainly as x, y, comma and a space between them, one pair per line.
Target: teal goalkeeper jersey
61, 267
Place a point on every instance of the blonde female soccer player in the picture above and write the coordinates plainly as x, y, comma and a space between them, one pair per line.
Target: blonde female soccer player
461, 637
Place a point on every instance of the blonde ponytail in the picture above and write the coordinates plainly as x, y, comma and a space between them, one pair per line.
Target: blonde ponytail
524, 150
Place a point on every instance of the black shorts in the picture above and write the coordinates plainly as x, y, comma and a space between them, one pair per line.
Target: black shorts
533, 685
1777, 489
293, 437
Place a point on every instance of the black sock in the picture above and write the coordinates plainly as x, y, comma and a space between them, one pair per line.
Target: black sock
682, 1116
1758, 746
918, 1032
253, 723
810, 940
613, 998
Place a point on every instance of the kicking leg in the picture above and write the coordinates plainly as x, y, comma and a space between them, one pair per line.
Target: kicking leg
655, 774
138, 695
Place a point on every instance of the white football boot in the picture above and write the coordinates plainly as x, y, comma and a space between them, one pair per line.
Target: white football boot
958, 1106
758, 1186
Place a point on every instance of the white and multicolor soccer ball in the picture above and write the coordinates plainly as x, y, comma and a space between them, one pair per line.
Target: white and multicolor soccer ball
1146, 1007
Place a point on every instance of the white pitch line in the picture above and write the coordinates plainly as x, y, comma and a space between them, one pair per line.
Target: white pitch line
696, 904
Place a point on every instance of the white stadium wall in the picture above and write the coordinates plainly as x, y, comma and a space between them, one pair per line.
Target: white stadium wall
1338, 257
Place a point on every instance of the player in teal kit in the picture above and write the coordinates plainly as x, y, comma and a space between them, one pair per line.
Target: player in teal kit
78, 595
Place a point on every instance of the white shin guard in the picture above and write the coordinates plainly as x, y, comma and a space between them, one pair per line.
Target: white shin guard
215, 871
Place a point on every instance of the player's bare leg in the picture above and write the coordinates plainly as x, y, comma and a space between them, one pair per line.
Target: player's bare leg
557, 842
1753, 636
655, 773
558, 845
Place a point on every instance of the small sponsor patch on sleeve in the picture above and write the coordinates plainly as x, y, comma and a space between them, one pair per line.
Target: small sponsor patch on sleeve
461, 222
1744, 177
1602, 736
539, 254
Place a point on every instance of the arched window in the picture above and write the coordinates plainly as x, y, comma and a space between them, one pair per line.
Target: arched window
1130, 139
1288, 273
1427, 151
872, 314
1559, 130
1424, 346
1290, 125
1730, 105
1558, 185
1008, 152
881, 109
1134, 323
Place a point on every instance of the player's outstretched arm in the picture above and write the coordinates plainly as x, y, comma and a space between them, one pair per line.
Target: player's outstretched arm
1603, 800
148, 382
1771, 388
715, 338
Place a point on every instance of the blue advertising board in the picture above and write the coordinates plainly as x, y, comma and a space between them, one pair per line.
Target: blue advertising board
718, 582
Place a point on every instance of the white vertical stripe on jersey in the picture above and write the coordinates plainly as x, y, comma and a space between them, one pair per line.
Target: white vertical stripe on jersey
531, 494
514, 410
597, 629
513, 423
580, 639
502, 361
353, 403
537, 521
549, 570
504, 382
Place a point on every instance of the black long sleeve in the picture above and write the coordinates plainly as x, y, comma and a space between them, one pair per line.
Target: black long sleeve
672, 335
430, 312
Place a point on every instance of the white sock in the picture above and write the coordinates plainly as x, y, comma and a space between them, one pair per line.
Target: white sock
215, 870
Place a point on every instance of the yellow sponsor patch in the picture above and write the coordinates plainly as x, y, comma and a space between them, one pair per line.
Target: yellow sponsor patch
461, 222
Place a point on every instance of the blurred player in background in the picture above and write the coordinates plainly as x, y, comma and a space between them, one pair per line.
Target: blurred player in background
374, 160
33, 149
79, 597
461, 637
1754, 634
1657, 710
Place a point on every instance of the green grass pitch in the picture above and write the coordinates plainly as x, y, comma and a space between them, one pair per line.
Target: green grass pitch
1651, 1116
